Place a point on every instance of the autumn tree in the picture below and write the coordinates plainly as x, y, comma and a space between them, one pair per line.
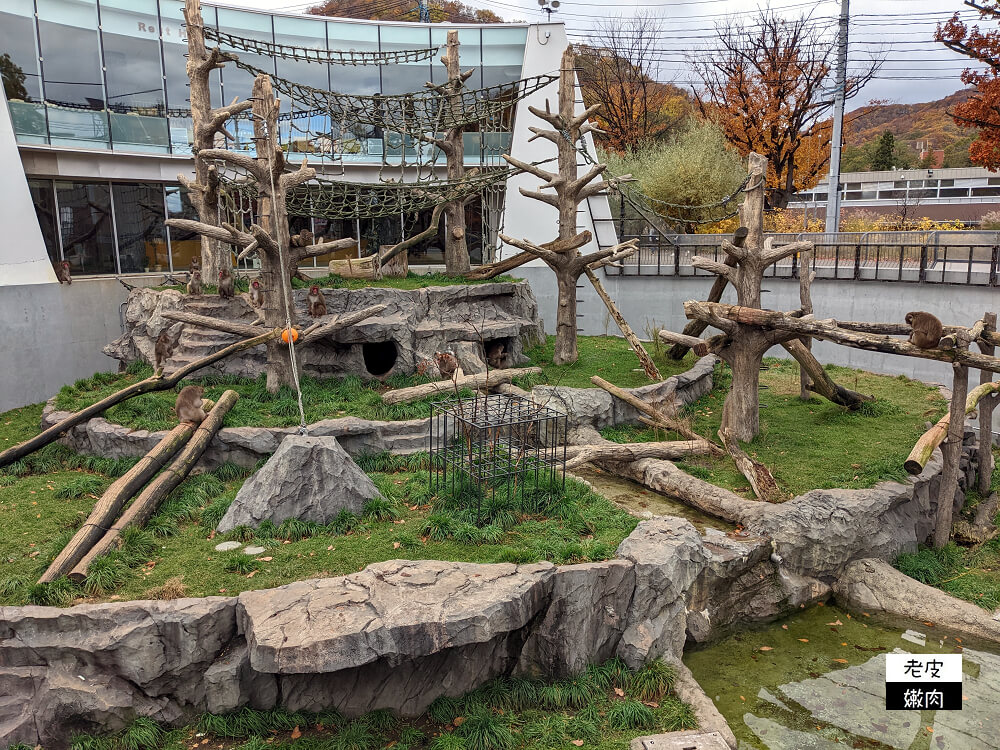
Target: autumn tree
618, 69
441, 11
982, 109
765, 82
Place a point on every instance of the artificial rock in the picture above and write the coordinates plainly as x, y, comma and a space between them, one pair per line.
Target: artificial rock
308, 478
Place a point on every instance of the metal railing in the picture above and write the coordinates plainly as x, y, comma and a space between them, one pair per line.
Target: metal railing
968, 258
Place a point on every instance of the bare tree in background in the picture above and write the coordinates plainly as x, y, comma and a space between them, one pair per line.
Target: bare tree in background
767, 82
618, 69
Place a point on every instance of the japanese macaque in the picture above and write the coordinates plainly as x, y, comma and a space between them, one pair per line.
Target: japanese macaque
426, 366
496, 355
256, 294
303, 239
62, 272
194, 283
448, 365
317, 305
226, 289
195, 263
166, 342
190, 407
927, 329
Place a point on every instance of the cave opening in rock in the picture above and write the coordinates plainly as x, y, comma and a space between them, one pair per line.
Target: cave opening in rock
380, 356
497, 353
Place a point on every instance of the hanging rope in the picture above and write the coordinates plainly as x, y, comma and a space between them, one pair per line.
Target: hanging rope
321, 56
286, 292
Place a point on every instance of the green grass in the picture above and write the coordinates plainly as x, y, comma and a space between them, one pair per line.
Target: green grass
175, 553
812, 444
338, 397
505, 714
970, 574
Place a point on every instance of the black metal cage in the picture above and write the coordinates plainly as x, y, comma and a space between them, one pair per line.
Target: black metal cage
495, 443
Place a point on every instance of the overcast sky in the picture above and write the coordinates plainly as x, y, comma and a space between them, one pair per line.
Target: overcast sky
916, 69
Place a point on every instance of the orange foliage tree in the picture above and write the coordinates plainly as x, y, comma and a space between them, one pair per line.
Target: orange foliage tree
982, 109
764, 83
618, 69
450, 11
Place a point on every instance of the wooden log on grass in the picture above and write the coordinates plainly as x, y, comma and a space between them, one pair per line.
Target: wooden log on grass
761, 480
819, 380
479, 380
931, 439
155, 383
106, 509
577, 455
666, 421
146, 504
644, 359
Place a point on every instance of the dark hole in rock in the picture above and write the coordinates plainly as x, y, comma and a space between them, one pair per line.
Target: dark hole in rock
380, 356
497, 352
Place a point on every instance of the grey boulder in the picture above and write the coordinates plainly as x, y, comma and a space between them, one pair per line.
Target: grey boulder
309, 478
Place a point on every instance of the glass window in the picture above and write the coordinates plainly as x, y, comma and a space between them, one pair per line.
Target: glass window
954, 192
503, 55
348, 140
142, 242
470, 55
237, 82
993, 181
44, 198
302, 133
852, 186
71, 68
986, 191
947, 183
184, 245
174, 60
328, 230
19, 69
405, 77
86, 226
883, 194
130, 33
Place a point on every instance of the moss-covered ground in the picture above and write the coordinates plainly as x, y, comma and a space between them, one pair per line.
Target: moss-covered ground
334, 281
604, 708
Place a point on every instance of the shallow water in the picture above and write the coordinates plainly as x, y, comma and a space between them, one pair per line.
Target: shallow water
638, 500
816, 681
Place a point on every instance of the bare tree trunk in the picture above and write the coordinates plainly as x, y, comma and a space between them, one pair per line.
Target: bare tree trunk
741, 411
985, 474
566, 321
952, 455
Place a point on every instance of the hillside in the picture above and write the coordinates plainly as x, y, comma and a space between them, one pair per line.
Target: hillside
908, 122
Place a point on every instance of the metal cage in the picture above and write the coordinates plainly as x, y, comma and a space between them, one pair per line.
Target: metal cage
495, 443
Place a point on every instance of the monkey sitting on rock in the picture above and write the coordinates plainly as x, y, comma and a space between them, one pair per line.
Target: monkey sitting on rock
448, 365
194, 283
190, 406
317, 304
166, 342
226, 288
926, 330
496, 355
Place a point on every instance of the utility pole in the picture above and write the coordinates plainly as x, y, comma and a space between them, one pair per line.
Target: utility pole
840, 83
424, 10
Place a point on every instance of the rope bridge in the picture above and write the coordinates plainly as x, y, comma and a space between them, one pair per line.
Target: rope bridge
322, 56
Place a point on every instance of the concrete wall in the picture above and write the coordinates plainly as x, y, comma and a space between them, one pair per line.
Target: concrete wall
53, 335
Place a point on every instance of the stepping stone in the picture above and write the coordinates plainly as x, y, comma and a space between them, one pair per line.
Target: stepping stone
255, 550
227, 546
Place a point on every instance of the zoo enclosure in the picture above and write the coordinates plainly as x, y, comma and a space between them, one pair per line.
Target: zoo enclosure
968, 258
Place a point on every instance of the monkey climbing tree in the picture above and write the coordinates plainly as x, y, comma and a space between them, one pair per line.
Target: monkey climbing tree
570, 188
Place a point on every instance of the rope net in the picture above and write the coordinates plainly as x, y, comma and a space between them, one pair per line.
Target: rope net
322, 56
417, 112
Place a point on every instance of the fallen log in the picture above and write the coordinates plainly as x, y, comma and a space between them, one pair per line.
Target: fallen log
577, 455
986, 511
819, 379
644, 359
761, 480
828, 330
479, 380
147, 502
217, 324
155, 383
666, 421
931, 439
110, 503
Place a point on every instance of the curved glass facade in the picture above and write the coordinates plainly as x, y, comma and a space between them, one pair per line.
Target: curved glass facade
110, 74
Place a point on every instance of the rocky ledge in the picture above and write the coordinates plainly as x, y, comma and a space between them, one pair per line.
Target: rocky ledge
245, 446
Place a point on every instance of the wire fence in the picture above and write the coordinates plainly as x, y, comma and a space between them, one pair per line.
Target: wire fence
968, 258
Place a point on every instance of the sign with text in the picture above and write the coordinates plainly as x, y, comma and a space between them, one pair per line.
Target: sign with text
920, 682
